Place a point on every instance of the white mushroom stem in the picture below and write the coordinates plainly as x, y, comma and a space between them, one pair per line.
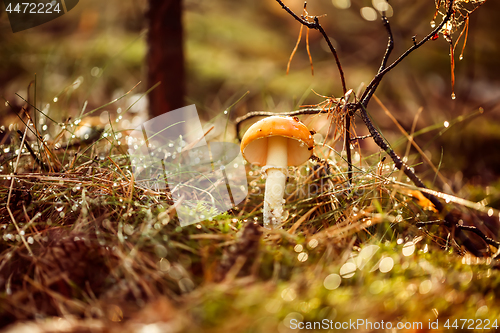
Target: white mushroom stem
276, 165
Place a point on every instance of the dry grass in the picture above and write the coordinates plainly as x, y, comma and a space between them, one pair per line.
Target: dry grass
86, 249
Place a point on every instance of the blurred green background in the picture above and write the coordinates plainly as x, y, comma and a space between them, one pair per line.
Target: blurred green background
96, 53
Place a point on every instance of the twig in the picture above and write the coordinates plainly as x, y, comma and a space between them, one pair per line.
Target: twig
315, 25
361, 137
470, 228
372, 86
254, 114
388, 51
347, 138
370, 90
478, 232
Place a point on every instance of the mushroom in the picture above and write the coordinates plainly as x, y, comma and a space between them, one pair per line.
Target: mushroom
275, 143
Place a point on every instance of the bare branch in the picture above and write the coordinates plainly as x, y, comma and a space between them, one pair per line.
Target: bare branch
370, 89
254, 114
315, 25
390, 43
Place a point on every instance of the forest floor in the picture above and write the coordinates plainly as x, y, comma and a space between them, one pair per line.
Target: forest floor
85, 247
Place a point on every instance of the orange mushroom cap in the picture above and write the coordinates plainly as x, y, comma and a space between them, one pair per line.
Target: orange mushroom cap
299, 146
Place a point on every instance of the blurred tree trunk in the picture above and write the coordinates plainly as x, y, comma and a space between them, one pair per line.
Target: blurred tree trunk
165, 57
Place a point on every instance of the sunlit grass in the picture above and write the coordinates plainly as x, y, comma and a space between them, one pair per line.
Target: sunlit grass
86, 240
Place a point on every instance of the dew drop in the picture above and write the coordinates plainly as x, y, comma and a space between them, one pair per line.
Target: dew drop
461, 57
302, 256
446, 124
348, 270
408, 248
433, 24
453, 96
225, 111
56, 99
386, 264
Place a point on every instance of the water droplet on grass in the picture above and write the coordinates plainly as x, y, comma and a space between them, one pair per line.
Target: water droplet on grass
433, 24
348, 270
386, 264
408, 249
312, 243
302, 257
